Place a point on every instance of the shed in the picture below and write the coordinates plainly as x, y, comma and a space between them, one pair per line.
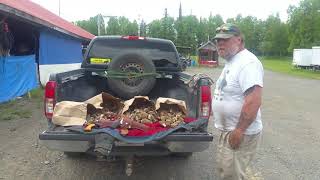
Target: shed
207, 55
53, 44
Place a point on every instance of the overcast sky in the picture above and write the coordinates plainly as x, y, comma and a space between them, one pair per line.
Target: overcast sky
149, 10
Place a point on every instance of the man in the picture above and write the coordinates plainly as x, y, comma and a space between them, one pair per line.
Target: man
6, 39
236, 104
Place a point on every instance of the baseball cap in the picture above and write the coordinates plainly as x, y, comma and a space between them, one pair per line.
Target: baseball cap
227, 31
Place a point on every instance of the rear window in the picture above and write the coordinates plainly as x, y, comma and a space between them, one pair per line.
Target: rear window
104, 50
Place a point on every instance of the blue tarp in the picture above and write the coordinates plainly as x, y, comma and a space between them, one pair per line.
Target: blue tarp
143, 139
58, 49
18, 75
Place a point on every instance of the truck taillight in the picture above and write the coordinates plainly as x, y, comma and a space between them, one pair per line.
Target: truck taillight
49, 98
133, 37
205, 101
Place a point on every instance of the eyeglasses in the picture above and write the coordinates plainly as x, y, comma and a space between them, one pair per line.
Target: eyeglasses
216, 41
228, 29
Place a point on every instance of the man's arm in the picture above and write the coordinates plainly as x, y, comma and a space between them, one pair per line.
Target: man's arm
251, 105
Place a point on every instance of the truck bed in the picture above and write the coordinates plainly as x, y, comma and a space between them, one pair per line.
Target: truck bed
80, 85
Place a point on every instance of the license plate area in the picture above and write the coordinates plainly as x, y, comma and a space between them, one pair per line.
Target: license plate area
119, 143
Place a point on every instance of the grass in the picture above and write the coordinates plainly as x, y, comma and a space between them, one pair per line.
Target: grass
284, 65
20, 108
37, 94
13, 110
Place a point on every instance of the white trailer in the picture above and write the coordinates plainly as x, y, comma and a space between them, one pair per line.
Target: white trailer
302, 58
316, 57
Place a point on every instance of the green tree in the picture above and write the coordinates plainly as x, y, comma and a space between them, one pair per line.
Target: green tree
163, 28
143, 28
275, 40
167, 30
304, 24
202, 31
133, 28
153, 29
122, 26
113, 27
252, 29
187, 30
265, 37
91, 25
213, 23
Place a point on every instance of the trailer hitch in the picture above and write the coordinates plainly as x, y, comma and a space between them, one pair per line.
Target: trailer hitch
129, 165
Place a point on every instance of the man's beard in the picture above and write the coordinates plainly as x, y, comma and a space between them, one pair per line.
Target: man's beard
231, 52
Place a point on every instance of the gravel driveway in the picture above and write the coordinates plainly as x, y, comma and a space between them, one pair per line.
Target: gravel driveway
289, 150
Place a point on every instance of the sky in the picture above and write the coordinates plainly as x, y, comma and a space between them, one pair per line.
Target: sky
148, 10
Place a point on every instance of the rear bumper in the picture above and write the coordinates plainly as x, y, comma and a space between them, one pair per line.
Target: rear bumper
175, 142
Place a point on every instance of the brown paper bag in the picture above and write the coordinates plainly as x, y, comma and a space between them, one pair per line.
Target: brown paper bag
181, 104
137, 102
105, 100
69, 113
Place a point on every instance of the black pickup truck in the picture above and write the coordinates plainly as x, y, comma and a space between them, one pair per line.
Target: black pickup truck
135, 54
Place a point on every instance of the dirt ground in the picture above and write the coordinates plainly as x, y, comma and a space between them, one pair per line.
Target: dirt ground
289, 150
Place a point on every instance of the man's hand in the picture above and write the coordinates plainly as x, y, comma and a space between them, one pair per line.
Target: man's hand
235, 138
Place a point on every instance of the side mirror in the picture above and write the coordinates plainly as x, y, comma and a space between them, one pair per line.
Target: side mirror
84, 51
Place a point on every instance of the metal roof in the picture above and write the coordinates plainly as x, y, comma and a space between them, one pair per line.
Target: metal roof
35, 13
208, 45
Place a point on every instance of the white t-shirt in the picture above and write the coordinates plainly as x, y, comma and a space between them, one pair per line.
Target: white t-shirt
243, 71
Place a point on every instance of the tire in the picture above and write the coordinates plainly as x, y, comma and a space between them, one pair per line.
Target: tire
184, 66
128, 88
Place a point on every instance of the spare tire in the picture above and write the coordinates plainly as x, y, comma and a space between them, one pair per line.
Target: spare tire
130, 87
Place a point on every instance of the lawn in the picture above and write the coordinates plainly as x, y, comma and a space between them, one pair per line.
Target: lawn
284, 65
20, 108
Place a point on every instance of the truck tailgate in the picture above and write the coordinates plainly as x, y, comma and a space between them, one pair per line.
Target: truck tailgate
174, 142
72, 136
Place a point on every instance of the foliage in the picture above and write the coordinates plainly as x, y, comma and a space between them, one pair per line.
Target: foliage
304, 25
275, 39
163, 28
91, 25
269, 37
187, 32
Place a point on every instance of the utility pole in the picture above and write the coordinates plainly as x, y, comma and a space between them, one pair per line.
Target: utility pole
139, 21
180, 11
98, 23
59, 7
